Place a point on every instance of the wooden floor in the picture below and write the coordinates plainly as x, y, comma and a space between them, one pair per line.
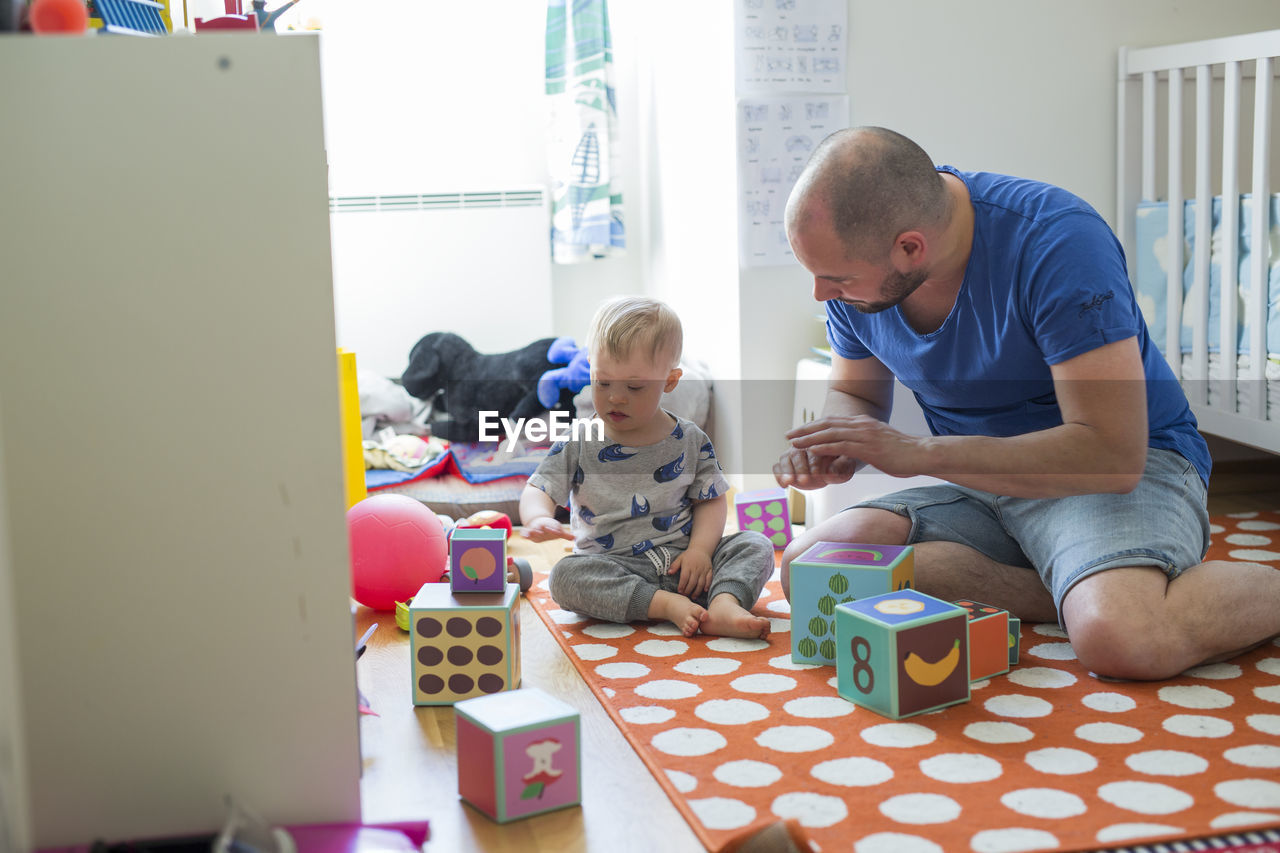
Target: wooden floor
410, 763
1245, 486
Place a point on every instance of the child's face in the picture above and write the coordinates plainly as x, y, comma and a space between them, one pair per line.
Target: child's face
627, 391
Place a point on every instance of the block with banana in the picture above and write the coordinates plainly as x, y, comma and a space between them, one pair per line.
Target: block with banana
902, 653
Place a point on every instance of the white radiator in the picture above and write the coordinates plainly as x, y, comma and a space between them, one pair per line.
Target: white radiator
474, 263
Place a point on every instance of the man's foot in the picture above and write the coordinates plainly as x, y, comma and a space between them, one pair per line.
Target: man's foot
727, 618
679, 610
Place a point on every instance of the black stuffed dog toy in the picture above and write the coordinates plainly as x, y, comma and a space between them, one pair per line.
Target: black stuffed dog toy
473, 382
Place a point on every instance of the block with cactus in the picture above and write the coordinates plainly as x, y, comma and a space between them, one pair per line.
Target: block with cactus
902, 653
1015, 639
828, 574
765, 511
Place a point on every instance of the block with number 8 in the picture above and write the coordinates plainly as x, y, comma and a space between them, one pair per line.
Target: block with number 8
902, 653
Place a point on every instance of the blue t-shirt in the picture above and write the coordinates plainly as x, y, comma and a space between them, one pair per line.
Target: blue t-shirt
1046, 281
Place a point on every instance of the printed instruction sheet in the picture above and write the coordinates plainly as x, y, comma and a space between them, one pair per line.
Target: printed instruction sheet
777, 135
791, 45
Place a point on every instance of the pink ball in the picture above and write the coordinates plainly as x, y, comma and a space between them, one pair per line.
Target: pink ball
397, 545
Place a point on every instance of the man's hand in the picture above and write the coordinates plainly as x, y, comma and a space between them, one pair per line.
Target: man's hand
694, 567
545, 529
807, 470
862, 438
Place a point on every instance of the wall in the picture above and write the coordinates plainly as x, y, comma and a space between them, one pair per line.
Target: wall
430, 97
421, 97
687, 126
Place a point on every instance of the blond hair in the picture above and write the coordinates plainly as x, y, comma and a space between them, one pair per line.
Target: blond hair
629, 324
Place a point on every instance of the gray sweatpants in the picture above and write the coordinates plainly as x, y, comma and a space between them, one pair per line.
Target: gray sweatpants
620, 588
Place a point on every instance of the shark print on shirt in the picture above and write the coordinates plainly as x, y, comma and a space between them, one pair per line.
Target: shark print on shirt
622, 497
670, 471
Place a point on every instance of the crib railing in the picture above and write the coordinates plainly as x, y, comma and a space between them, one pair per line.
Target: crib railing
1143, 74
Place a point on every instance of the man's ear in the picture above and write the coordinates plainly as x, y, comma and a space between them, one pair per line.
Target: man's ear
673, 379
909, 251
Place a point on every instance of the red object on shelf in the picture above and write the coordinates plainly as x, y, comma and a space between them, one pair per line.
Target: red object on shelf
488, 518
58, 16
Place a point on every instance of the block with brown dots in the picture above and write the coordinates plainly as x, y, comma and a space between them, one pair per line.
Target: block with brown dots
465, 644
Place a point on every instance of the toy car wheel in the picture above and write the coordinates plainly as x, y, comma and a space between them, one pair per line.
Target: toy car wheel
523, 570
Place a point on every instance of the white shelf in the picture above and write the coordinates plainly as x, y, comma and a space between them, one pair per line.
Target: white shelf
172, 457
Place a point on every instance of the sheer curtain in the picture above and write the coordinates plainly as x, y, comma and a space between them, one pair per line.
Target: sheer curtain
582, 152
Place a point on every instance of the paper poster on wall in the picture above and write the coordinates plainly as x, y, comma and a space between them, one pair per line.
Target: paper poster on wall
776, 136
791, 45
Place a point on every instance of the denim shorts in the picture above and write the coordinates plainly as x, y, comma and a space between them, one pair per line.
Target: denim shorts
1162, 523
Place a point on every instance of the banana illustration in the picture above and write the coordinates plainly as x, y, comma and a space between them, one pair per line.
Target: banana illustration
928, 674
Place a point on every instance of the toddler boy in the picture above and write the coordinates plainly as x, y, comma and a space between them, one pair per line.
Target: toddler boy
647, 504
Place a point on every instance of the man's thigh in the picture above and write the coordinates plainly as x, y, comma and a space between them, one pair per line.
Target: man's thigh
950, 513
1162, 524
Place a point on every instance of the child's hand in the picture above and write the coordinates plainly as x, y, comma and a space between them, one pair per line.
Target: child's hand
545, 529
695, 572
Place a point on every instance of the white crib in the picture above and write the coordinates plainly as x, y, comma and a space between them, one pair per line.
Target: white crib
1198, 302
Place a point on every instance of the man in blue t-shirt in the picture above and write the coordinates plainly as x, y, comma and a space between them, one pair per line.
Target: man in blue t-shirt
1076, 477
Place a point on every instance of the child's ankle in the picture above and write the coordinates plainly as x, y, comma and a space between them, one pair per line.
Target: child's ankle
726, 599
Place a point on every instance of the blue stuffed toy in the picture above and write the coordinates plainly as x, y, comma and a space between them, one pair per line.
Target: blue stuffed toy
573, 377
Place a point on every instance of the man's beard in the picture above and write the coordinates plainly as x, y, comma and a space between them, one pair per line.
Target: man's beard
895, 288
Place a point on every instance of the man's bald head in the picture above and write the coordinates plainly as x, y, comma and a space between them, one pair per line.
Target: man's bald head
870, 184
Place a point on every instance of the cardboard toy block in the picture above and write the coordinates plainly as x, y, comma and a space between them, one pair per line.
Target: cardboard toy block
988, 639
477, 559
1015, 639
463, 644
831, 573
765, 511
902, 653
522, 754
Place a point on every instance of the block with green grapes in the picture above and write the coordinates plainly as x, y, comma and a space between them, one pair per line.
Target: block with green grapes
765, 511
831, 573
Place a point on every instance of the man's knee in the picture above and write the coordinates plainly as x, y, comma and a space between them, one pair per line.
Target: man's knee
864, 525
1119, 630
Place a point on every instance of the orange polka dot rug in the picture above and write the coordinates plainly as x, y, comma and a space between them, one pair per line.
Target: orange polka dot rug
1043, 757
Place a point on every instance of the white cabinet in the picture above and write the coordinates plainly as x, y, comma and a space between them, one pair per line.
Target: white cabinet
811, 392
174, 536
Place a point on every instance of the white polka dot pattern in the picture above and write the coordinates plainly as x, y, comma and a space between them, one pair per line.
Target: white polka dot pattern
1045, 757
748, 774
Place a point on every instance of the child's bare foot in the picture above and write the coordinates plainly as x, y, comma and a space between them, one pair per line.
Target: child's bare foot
727, 618
679, 610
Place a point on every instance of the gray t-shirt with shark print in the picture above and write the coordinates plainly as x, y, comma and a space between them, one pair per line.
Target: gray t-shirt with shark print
627, 500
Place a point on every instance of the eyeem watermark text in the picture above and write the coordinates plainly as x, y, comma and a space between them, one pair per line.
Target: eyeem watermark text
557, 426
